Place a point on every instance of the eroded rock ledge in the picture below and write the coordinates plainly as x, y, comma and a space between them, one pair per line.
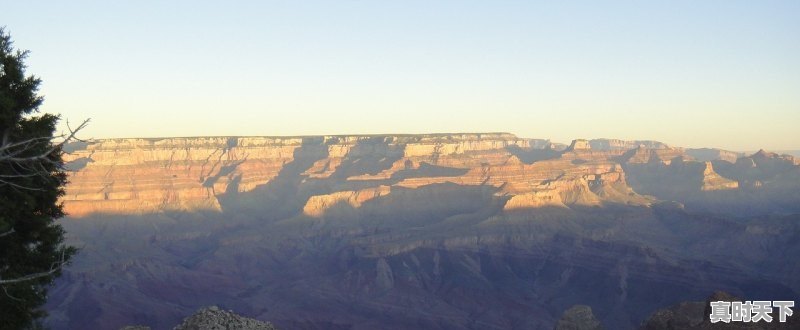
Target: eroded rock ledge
134, 176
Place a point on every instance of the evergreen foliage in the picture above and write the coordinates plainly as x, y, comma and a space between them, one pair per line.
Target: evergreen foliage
32, 178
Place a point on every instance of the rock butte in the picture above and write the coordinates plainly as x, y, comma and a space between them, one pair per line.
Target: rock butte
134, 176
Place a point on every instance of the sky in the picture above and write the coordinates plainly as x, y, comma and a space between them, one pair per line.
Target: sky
722, 74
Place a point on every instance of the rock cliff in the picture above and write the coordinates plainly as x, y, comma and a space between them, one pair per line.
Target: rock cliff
213, 317
136, 176
418, 231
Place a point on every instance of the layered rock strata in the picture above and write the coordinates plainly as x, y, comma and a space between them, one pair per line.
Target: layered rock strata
134, 176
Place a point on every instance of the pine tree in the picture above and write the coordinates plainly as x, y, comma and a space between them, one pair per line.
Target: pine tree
32, 178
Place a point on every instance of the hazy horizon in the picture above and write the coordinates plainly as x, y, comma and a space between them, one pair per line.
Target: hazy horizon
793, 152
721, 74
399, 164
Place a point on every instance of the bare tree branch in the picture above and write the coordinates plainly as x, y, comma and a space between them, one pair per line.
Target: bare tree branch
26, 166
30, 276
10, 151
80, 127
6, 233
32, 165
18, 186
54, 267
9, 295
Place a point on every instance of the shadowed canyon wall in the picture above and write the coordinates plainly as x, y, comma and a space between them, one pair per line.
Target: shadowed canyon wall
439, 231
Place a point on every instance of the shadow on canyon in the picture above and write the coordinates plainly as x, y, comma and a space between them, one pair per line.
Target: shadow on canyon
532, 155
388, 265
285, 195
684, 183
436, 256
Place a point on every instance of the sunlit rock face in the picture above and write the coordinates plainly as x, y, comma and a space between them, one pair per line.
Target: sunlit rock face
445, 231
135, 176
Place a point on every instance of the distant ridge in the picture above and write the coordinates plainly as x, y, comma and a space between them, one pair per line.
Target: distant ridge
327, 231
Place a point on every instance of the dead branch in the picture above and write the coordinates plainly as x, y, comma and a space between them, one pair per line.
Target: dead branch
33, 165
11, 151
54, 267
6, 233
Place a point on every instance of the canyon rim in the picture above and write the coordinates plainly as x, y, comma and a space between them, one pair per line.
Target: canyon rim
472, 230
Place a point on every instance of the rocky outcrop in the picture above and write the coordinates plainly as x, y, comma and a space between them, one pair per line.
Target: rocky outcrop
578, 317
762, 166
685, 315
318, 205
670, 179
713, 181
212, 318
579, 144
694, 315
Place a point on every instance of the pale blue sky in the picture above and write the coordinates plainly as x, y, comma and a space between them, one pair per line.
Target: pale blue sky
689, 73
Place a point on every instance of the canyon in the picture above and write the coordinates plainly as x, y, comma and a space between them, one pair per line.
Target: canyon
448, 231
